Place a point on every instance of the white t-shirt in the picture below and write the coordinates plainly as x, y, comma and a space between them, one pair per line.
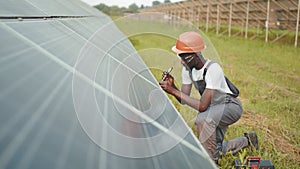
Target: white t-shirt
214, 77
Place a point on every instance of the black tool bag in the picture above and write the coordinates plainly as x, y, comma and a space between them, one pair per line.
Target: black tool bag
200, 85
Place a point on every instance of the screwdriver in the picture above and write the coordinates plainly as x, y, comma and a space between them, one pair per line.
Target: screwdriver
166, 73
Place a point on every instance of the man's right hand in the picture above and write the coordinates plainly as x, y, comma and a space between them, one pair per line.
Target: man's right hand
168, 84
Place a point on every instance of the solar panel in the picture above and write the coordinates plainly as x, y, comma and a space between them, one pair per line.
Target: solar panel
74, 93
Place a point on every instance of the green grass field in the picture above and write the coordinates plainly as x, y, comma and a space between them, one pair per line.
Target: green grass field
268, 76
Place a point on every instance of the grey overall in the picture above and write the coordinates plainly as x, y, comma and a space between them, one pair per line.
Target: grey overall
224, 110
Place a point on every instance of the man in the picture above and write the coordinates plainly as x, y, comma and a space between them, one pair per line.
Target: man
218, 106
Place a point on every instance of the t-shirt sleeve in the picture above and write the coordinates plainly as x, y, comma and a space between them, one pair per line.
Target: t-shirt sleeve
185, 76
214, 77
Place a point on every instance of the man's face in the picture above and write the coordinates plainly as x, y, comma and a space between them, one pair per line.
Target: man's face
188, 60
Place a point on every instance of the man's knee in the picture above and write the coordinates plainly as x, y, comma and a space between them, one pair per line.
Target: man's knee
205, 121
205, 128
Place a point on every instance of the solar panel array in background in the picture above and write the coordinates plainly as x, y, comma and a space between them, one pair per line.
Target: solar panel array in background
59, 61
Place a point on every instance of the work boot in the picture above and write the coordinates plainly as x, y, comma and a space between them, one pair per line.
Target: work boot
252, 139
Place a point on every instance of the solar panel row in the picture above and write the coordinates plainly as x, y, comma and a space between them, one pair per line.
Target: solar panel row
74, 93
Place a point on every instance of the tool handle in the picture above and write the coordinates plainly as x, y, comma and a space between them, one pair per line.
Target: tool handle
166, 73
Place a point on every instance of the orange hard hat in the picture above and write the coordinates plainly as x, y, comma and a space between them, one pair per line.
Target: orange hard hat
189, 42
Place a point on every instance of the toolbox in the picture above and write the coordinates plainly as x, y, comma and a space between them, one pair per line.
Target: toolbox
254, 162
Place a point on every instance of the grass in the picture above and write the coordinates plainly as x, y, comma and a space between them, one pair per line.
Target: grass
267, 74
269, 79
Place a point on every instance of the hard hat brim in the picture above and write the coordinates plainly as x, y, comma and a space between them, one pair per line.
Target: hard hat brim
174, 49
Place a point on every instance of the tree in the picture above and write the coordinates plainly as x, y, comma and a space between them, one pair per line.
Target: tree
167, 1
104, 8
154, 3
133, 8
115, 10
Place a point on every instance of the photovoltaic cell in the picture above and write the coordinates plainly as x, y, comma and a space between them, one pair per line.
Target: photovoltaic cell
61, 8
74, 93
18, 8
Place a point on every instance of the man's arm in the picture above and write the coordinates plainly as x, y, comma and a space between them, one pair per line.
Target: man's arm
200, 105
183, 96
186, 89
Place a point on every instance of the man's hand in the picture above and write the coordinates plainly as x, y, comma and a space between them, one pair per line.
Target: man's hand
168, 84
166, 73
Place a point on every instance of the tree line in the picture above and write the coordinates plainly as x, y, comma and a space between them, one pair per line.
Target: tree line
133, 8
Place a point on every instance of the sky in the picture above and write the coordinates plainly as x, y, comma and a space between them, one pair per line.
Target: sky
123, 3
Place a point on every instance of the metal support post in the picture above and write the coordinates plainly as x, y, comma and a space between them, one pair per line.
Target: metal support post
230, 19
297, 25
267, 21
218, 20
247, 19
207, 17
